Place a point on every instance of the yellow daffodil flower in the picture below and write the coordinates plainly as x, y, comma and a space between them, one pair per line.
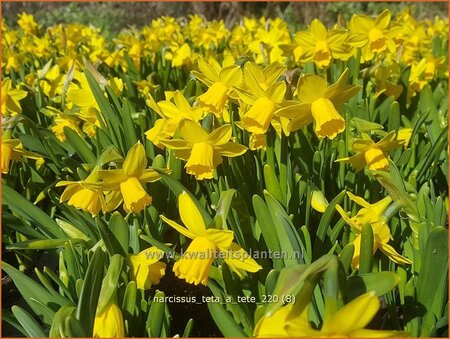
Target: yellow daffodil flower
320, 103
52, 82
10, 98
373, 35
320, 45
81, 95
81, 196
129, 180
384, 85
180, 55
348, 322
220, 81
62, 120
203, 151
371, 153
262, 93
372, 214
195, 263
417, 80
27, 23
146, 269
109, 323
404, 136
267, 40
172, 113
12, 149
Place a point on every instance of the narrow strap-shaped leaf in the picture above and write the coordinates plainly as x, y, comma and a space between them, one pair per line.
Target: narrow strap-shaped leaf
28, 323
24, 208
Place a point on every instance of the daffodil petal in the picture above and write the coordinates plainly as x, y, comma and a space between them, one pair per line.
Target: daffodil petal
310, 88
392, 254
149, 175
231, 75
190, 215
192, 132
180, 229
353, 316
360, 201
112, 176
222, 238
295, 110
220, 136
169, 109
238, 259
231, 149
136, 160
276, 92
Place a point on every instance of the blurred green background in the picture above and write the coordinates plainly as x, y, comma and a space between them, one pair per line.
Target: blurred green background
113, 16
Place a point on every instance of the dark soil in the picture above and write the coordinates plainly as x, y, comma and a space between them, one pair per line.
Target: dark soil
204, 325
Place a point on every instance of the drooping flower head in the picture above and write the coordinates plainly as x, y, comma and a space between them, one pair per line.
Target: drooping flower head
196, 262
374, 36
320, 103
320, 45
202, 151
172, 113
12, 149
146, 269
348, 322
129, 180
220, 80
262, 92
372, 154
372, 214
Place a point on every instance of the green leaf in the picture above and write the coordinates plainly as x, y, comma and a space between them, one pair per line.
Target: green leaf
271, 281
25, 209
129, 300
112, 244
127, 122
324, 224
366, 251
107, 112
8, 317
346, 256
188, 328
427, 102
272, 184
28, 323
120, 231
80, 146
380, 282
47, 303
58, 328
432, 283
44, 244
267, 227
428, 328
294, 278
393, 182
287, 235
225, 322
90, 291
110, 282
156, 315
223, 207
